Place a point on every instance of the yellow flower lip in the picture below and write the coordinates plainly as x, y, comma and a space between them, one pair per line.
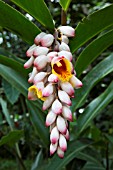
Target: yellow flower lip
36, 92
62, 68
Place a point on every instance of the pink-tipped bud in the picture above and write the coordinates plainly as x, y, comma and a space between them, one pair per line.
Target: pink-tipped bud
39, 77
62, 143
48, 90
38, 38
53, 78
31, 95
57, 107
32, 75
47, 40
29, 52
61, 125
66, 54
67, 30
67, 135
51, 55
54, 136
60, 153
40, 62
40, 51
63, 96
50, 118
65, 39
53, 148
29, 63
66, 112
47, 103
67, 87
76, 83
40, 85
64, 47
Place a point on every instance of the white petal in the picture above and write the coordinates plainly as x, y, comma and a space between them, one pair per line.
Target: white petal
50, 118
38, 38
66, 54
32, 75
54, 136
39, 77
40, 85
66, 112
53, 78
64, 47
61, 125
48, 102
29, 52
57, 107
67, 30
76, 83
48, 90
62, 143
40, 62
53, 148
51, 55
47, 40
29, 63
63, 96
65, 39
67, 87
40, 51
60, 153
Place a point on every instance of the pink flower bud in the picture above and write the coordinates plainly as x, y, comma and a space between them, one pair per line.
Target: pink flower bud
47, 40
54, 136
40, 51
64, 47
57, 107
51, 55
62, 143
53, 78
29, 52
38, 38
40, 85
39, 77
31, 95
40, 62
47, 103
67, 30
48, 90
50, 118
66, 112
60, 153
53, 148
65, 39
67, 87
63, 96
67, 135
66, 54
32, 75
76, 83
29, 63
61, 125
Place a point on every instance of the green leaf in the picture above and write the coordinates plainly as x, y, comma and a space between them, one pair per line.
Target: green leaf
90, 80
12, 138
11, 93
65, 4
38, 123
73, 148
6, 113
92, 166
94, 108
14, 21
93, 50
38, 161
91, 26
38, 10
109, 137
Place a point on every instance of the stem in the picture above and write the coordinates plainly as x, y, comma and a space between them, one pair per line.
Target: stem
63, 17
107, 157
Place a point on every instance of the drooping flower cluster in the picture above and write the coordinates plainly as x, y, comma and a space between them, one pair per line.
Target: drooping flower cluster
54, 79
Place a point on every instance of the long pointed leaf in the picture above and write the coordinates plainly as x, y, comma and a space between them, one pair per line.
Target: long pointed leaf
38, 9
91, 26
91, 79
65, 4
14, 21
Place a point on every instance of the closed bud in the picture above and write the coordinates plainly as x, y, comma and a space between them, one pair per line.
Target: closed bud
40, 51
62, 143
63, 96
66, 54
61, 125
67, 30
53, 148
32, 75
48, 102
65, 39
66, 112
39, 77
51, 55
76, 83
40, 85
48, 90
47, 40
57, 107
40, 62
53, 78
54, 136
50, 118
29, 52
64, 47
38, 38
67, 87
60, 153
29, 63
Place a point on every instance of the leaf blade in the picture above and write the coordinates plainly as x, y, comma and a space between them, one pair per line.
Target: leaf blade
65, 4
